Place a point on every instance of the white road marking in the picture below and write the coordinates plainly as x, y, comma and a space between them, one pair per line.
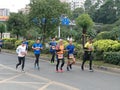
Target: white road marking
45, 86
39, 77
16, 82
8, 79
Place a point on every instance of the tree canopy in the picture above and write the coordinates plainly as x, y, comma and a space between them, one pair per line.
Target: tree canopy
46, 14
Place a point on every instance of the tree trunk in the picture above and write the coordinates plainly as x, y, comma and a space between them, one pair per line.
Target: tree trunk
84, 37
17, 36
1, 35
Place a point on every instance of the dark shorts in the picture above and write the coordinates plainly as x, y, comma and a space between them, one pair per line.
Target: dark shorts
0, 46
87, 56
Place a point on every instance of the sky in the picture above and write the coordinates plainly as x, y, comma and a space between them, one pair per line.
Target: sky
13, 5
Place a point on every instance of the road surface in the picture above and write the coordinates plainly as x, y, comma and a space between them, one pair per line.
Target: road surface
47, 79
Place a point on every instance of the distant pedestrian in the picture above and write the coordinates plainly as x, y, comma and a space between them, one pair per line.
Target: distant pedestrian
37, 47
70, 48
53, 50
26, 42
1, 43
21, 51
88, 54
60, 56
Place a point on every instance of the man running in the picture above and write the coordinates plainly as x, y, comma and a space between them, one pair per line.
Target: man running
60, 56
21, 51
88, 55
53, 50
37, 47
70, 48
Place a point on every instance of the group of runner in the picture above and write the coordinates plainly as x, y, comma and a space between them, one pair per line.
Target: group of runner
57, 50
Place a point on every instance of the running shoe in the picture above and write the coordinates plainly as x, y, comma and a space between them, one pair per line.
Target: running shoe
70, 66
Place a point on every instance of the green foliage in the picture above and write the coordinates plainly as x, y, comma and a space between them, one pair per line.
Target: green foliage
108, 13
2, 28
102, 46
9, 43
104, 35
30, 43
79, 50
77, 12
112, 57
84, 21
17, 43
114, 34
106, 45
17, 24
50, 11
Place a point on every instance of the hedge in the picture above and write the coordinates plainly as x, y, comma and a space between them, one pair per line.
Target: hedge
102, 46
12, 43
112, 57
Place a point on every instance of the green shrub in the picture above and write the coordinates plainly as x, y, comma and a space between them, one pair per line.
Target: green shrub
17, 43
30, 43
9, 43
103, 35
106, 45
112, 57
79, 50
102, 46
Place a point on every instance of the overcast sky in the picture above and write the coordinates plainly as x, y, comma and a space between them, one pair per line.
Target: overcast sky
13, 5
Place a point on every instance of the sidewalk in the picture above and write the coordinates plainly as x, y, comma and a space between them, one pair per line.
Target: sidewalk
98, 67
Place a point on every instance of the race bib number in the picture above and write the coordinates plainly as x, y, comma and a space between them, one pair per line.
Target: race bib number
71, 56
60, 56
53, 47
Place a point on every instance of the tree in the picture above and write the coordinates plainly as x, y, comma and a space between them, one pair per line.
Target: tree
46, 14
91, 6
84, 21
17, 24
2, 28
77, 12
108, 13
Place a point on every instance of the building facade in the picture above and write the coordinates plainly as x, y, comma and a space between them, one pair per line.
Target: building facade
74, 3
25, 10
4, 12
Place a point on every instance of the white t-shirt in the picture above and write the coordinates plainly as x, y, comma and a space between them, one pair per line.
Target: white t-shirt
21, 51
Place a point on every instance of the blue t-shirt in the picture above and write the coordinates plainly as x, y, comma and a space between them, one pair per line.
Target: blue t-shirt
70, 49
39, 45
26, 43
52, 44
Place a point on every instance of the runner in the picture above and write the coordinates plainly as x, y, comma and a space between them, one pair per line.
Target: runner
21, 51
37, 47
52, 50
70, 49
60, 56
26, 42
88, 55
1, 43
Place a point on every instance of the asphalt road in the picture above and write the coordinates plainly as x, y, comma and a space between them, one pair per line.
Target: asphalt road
47, 79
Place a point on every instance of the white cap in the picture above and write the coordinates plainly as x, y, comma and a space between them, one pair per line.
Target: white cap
60, 40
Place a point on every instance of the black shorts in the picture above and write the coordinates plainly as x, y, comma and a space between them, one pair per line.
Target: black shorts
0, 46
